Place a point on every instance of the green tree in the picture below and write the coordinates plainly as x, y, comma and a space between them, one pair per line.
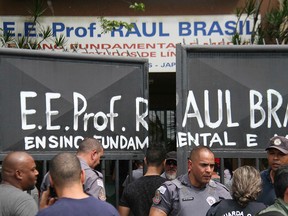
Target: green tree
271, 29
27, 42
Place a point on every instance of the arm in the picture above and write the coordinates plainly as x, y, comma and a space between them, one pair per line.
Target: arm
26, 207
94, 185
156, 212
123, 210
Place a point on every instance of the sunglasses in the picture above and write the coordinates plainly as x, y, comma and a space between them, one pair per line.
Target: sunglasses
171, 162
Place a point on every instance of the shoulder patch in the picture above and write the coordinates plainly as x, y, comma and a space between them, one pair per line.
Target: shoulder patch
102, 195
157, 197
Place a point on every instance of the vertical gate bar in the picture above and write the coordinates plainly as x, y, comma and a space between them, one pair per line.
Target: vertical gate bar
238, 162
165, 126
257, 164
130, 171
222, 170
103, 170
44, 171
117, 182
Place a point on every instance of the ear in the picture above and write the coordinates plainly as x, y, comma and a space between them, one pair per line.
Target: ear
18, 174
190, 163
93, 154
82, 176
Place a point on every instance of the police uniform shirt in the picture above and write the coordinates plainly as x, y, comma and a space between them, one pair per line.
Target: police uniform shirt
179, 197
93, 184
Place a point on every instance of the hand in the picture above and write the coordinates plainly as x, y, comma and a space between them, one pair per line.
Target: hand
46, 200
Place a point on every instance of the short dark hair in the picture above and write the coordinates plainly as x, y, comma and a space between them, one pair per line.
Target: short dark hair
155, 155
65, 168
195, 151
281, 181
89, 144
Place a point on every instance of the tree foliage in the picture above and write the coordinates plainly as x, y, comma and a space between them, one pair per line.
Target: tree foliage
272, 28
45, 33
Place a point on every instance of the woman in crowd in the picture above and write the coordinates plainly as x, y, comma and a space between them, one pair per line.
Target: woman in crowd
246, 185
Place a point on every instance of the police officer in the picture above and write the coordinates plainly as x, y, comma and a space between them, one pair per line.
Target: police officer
191, 193
277, 155
89, 153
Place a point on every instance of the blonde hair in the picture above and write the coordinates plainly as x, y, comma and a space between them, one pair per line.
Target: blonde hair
246, 185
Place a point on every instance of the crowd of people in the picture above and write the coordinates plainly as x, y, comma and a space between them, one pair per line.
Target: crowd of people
73, 186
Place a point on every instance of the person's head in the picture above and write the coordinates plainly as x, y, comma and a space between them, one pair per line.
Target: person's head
281, 183
200, 166
65, 170
91, 151
246, 185
138, 164
277, 152
171, 165
19, 170
155, 156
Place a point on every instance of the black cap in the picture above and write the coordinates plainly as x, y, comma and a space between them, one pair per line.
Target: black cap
280, 143
172, 155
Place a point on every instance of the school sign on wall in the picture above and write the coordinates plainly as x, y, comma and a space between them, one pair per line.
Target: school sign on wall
153, 37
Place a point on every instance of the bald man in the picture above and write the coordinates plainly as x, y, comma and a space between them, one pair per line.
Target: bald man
192, 193
19, 174
89, 153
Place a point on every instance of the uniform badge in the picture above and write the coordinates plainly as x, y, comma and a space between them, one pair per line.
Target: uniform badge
277, 142
157, 197
162, 189
210, 200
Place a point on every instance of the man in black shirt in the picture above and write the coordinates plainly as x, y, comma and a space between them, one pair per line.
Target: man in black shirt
137, 196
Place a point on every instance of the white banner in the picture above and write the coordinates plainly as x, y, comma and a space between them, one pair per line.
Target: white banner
153, 37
